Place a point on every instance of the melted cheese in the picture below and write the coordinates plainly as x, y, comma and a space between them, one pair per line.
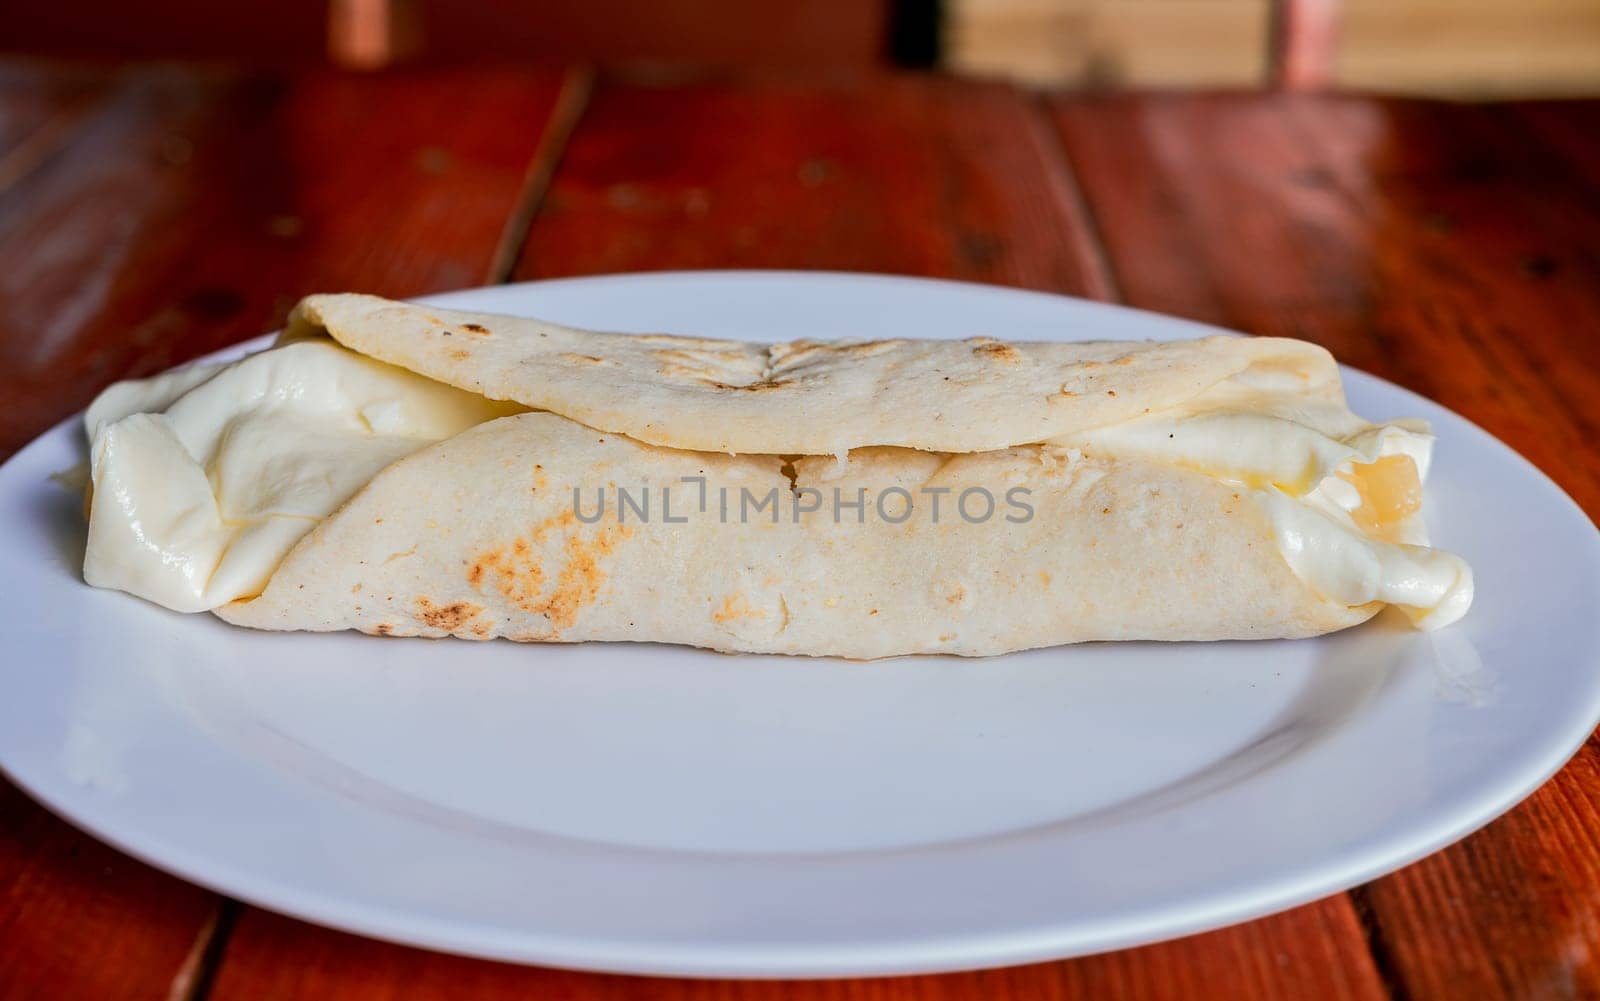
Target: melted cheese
203, 479
1344, 496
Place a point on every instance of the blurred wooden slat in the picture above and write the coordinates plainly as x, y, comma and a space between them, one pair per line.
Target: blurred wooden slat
1471, 48
912, 175
1432, 246
191, 208
1111, 43
1304, 38
1445, 47
369, 34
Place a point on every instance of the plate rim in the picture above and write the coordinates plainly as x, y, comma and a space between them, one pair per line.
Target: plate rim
921, 955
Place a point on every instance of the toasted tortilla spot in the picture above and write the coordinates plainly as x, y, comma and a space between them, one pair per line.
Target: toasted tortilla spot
583, 359
681, 341
450, 618
383, 629
580, 580
985, 347
531, 637
517, 575
735, 607
476, 329
565, 519
866, 349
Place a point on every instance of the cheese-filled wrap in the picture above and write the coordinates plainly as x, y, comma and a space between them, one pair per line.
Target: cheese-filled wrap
407, 470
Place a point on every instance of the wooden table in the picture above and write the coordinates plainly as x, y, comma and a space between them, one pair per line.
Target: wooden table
152, 213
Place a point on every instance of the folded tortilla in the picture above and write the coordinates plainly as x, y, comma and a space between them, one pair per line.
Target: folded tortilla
406, 470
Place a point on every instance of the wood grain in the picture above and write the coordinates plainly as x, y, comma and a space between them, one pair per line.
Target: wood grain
180, 210
191, 208
79, 919
1449, 248
1462, 289
40, 104
1470, 48
912, 175
1311, 952
157, 212
909, 175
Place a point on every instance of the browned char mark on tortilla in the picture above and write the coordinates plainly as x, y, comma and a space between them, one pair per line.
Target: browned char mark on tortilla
754, 387
451, 618
517, 573
988, 347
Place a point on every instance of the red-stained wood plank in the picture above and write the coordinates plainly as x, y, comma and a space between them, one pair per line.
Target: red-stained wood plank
181, 210
191, 208
1444, 248
1308, 952
40, 103
811, 35
1566, 130
912, 175
80, 920
1242, 211
905, 174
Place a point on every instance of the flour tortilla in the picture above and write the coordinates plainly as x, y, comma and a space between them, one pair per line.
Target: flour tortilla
800, 397
476, 537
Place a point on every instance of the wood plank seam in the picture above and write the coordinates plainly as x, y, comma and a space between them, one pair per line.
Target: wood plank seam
1491, 340
198, 972
1101, 281
34, 151
573, 101
1383, 958
1378, 947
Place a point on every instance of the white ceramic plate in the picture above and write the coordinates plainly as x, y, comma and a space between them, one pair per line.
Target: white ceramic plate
669, 811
